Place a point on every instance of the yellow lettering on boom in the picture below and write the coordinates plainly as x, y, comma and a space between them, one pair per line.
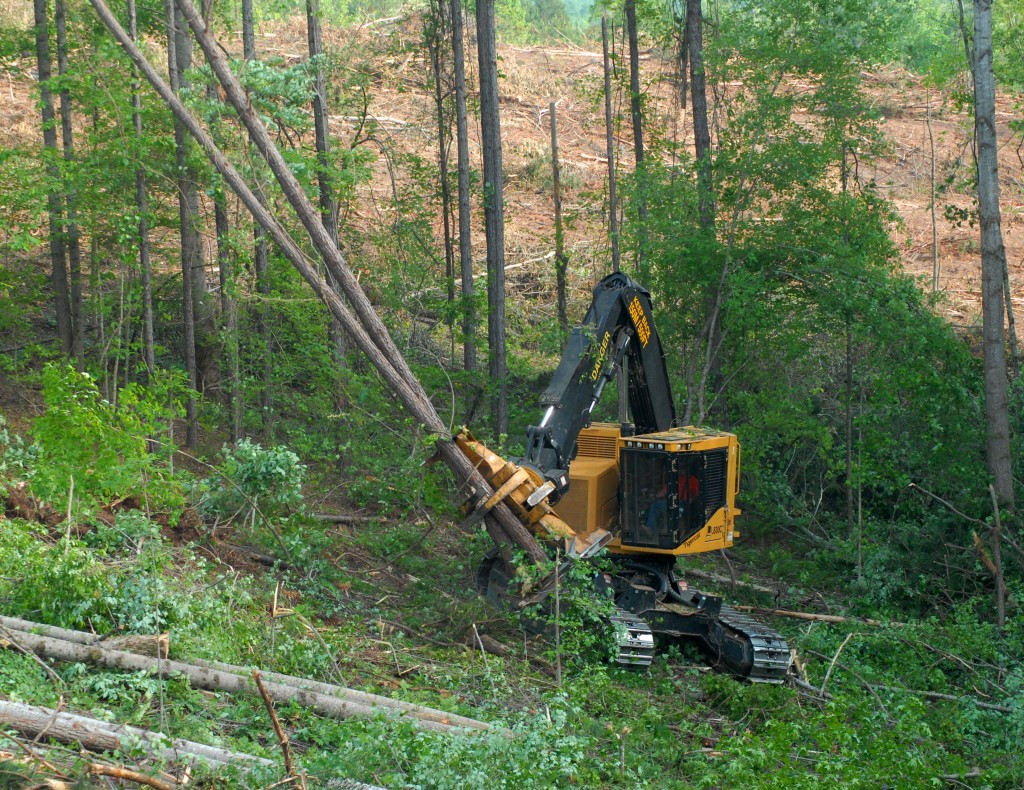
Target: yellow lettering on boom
643, 327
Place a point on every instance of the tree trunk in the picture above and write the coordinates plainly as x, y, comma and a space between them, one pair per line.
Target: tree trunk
701, 128
494, 213
261, 259
54, 201
993, 260
561, 260
222, 680
636, 111
435, 36
142, 206
365, 326
613, 224
102, 736
465, 217
73, 236
188, 210
325, 183
362, 697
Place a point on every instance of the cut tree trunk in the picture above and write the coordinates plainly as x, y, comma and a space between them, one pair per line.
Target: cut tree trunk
361, 697
231, 682
102, 736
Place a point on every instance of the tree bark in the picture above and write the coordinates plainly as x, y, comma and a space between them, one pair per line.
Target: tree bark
494, 213
561, 260
71, 197
701, 128
435, 36
142, 206
362, 697
325, 183
465, 217
993, 260
636, 111
613, 224
55, 204
188, 210
102, 736
261, 259
220, 680
365, 326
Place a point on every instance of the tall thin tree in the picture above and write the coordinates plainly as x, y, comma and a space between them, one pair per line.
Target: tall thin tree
993, 259
436, 23
701, 127
609, 128
325, 182
494, 212
636, 111
142, 207
561, 260
179, 58
261, 259
465, 218
54, 198
71, 197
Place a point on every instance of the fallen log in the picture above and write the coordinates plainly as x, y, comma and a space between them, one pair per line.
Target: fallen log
719, 579
223, 677
102, 736
361, 697
820, 618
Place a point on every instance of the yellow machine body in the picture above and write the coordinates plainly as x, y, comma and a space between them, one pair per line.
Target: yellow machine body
599, 498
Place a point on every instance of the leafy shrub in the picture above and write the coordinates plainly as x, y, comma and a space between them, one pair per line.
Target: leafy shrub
81, 436
252, 478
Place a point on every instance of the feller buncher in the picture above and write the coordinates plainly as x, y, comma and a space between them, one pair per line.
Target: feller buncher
645, 490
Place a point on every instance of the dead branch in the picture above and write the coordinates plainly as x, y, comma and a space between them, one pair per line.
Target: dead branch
282, 736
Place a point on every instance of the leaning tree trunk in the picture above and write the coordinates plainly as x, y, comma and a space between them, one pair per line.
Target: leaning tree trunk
465, 229
364, 325
73, 237
993, 259
54, 201
494, 211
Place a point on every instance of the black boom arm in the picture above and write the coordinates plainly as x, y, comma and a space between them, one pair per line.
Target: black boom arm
618, 326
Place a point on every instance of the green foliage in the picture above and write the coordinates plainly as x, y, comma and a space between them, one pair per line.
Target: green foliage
81, 436
580, 617
250, 478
